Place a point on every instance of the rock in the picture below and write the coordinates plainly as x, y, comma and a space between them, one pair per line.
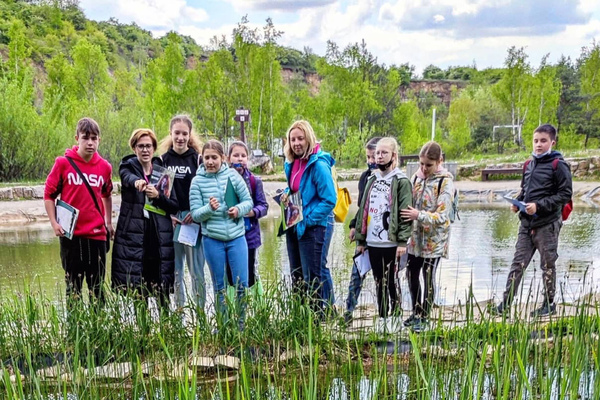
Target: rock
6, 194
227, 362
18, 192
38, 192
181, 371
573, 165
267, 168
595, 161
580, 173
202, 362
584, 165
111, 371
28, 193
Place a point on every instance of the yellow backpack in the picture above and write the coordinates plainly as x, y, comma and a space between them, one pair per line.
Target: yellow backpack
342, 205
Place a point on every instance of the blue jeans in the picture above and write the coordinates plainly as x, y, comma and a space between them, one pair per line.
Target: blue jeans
195, 262
305, 255
354, 289
327, 282
220, 253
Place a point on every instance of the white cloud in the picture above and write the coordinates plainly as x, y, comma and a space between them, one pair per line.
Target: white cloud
438, 18
157, 15
282, 5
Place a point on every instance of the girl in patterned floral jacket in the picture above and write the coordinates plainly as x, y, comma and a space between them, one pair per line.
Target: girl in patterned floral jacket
433, 192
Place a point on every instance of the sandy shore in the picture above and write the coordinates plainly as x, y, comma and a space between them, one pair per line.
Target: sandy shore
28, 211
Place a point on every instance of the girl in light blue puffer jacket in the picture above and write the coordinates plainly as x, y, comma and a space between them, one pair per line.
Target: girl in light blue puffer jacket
219, 199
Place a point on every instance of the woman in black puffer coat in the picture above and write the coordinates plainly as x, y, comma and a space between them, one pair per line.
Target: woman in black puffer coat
143, 255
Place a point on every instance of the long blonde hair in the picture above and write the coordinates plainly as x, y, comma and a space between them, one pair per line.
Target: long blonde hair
309, 135
167, 142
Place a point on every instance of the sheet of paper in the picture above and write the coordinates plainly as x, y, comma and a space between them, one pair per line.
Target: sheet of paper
188, 234
363, 264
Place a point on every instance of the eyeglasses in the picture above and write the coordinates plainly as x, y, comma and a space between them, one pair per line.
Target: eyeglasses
144, 146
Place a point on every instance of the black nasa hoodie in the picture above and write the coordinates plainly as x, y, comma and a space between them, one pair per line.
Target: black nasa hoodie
185, 166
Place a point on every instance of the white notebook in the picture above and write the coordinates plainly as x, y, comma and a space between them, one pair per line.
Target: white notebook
66, 216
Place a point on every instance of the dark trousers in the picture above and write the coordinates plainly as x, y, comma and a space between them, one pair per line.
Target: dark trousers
81, 259
383, 265
545, 240
251, 269
422, 300
305, 256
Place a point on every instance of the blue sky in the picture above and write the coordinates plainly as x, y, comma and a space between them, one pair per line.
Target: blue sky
420, 32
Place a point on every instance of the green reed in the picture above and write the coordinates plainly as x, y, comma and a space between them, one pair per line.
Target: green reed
498, 358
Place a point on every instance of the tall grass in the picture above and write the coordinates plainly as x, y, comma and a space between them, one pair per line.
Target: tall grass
482, 358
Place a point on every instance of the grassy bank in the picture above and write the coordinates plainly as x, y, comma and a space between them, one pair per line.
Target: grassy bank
284, 354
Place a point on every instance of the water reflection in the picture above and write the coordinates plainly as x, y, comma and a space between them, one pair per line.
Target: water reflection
481, 250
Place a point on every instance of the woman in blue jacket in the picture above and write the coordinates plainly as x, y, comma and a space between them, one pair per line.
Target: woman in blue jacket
223, 232
308, 171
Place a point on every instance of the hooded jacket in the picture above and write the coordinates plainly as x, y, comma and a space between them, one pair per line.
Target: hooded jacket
548, 188
401, 198
431, 230
260, 208
317, 190
216, 224
64, 180
185, 167
128, 248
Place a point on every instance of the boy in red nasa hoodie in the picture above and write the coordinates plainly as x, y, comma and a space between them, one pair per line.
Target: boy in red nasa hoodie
83, 256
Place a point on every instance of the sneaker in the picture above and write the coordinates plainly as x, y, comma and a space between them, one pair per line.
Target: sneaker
545, 310
419, 325
410, 321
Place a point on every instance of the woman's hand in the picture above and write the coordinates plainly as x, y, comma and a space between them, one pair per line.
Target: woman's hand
233, 212
251, 214
351, 235
514, 208
284, 199
360, 249
140, 185
531, 208
151, 192
188, 219
410, 214
214, 203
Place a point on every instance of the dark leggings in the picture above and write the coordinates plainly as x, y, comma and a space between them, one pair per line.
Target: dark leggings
421, 302
383, 264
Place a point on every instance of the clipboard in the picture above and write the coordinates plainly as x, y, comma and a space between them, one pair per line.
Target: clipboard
231, 197
66, 216
519, 204
362, 262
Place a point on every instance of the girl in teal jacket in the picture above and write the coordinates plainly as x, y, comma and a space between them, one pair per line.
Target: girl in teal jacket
219, 198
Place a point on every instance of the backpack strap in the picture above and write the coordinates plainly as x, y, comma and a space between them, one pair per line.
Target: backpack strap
252, 180
440, 186
526, 164
555, 163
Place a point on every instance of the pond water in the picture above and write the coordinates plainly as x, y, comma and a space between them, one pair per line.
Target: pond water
481, 250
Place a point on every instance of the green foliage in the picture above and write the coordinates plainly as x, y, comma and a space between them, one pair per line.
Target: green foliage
56, 67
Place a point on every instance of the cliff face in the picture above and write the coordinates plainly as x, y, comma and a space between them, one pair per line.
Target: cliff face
441, 89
